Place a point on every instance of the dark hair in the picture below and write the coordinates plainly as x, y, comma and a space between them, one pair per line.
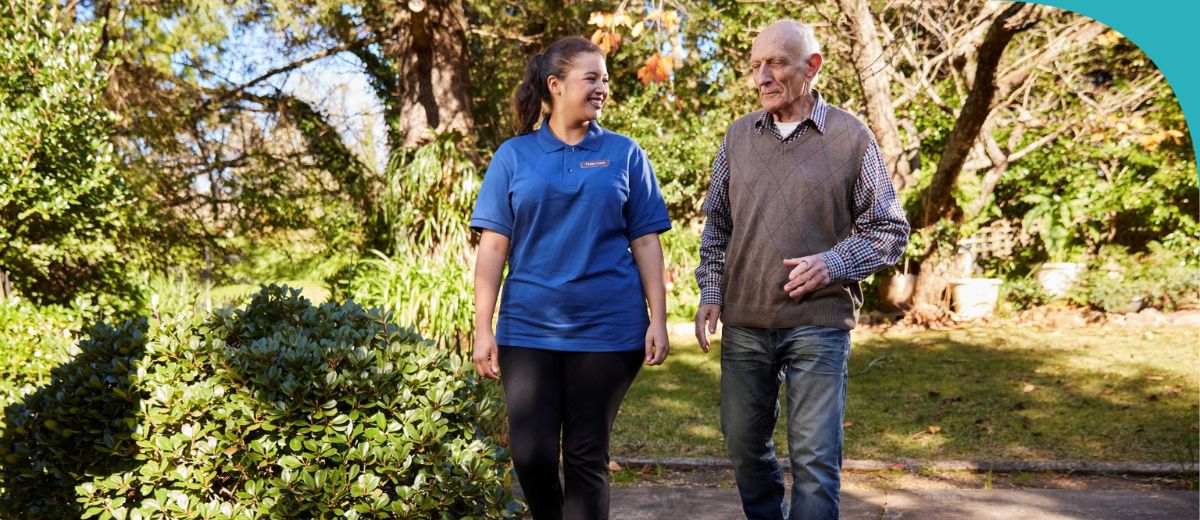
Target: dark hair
533, 91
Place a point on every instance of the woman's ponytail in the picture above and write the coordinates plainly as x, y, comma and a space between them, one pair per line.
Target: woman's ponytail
533, 94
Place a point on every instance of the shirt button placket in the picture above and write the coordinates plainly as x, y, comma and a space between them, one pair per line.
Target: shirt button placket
569, 179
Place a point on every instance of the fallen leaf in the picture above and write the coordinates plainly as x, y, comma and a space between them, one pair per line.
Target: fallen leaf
1155, 378
613, 466
847, 424
1028, 388
897, 467
934, 429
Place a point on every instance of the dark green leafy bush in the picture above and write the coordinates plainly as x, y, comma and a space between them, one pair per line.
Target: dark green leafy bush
76, 426
287, 410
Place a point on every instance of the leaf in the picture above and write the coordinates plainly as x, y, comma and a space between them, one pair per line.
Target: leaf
657, 69
934, 429
607, 40
1028, 387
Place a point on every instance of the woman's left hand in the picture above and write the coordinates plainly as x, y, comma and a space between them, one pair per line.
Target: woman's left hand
657, 345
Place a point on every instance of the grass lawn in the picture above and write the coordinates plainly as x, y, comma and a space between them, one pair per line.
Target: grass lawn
982, 393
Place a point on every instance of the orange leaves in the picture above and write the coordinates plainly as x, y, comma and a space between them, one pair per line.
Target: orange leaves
607, 37
662, 24
657, 69
607, 40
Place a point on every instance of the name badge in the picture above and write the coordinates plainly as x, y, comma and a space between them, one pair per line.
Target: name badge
593, 164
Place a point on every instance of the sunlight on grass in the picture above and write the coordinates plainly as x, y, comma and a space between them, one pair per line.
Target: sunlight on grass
981, 393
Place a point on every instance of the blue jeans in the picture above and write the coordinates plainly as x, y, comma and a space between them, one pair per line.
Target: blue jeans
813, 362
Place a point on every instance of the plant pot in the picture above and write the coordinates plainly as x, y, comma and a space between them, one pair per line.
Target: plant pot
896, 292
975, 297
1056, 278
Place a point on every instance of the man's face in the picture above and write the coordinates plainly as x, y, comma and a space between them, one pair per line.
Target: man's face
779, 72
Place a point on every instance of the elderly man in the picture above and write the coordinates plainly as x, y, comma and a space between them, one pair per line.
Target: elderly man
800, 209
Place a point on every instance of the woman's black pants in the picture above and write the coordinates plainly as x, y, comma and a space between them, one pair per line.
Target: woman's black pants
573, 396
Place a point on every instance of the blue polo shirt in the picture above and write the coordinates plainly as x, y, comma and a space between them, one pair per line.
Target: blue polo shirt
570, 213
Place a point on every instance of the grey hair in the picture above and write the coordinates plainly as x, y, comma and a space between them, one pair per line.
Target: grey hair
809, 44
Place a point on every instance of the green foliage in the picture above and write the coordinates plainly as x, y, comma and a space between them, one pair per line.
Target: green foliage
67, 213
680, 254
78, 425
277, 410
427, 200
1023, 293
438, 297
1117, 281
1054, 221
33, 340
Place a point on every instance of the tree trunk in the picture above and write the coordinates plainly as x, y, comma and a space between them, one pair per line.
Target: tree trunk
933, 280
429, 55
938, 200
875, 76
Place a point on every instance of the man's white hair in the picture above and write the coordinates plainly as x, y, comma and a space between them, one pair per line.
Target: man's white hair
808, 39
804, 33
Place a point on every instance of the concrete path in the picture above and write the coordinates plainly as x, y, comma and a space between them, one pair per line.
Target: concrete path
1039, 504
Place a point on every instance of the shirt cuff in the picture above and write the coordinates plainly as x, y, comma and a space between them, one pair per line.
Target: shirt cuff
479, 224
659, 227
836, 265
711, 295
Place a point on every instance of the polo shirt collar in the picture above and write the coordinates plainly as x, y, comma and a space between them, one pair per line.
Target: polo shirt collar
548, 142
817, 117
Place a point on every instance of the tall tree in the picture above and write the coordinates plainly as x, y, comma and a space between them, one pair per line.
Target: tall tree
67, 214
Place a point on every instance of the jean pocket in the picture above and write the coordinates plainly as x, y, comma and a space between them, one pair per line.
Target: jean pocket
819, 350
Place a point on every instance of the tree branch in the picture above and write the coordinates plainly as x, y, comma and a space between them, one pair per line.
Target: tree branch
939, 200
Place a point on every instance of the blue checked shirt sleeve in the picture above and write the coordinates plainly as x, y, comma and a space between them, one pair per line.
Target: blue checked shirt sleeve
718, 226
880, 228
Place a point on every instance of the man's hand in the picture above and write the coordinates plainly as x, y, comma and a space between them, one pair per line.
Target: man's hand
487, 362
657, 345
706, 323
808, 275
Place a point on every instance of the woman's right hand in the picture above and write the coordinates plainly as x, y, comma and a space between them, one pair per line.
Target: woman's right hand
487, 362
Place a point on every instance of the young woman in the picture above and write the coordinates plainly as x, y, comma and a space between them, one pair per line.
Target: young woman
576, 211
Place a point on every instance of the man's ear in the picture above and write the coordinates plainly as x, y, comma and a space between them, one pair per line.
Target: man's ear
814, 65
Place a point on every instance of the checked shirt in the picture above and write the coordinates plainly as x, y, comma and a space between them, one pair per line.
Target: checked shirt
880, 229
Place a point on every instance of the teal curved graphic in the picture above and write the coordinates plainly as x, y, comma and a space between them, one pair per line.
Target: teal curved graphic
1163, 29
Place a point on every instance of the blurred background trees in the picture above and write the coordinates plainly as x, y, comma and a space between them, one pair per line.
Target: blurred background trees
253, 141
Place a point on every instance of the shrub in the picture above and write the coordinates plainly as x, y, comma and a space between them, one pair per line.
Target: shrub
33, 340
287, 410
69, 215
1161, 278
434, 293
1023, 293
78, 425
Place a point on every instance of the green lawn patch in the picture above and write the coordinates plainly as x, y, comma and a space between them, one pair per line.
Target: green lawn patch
981, 393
